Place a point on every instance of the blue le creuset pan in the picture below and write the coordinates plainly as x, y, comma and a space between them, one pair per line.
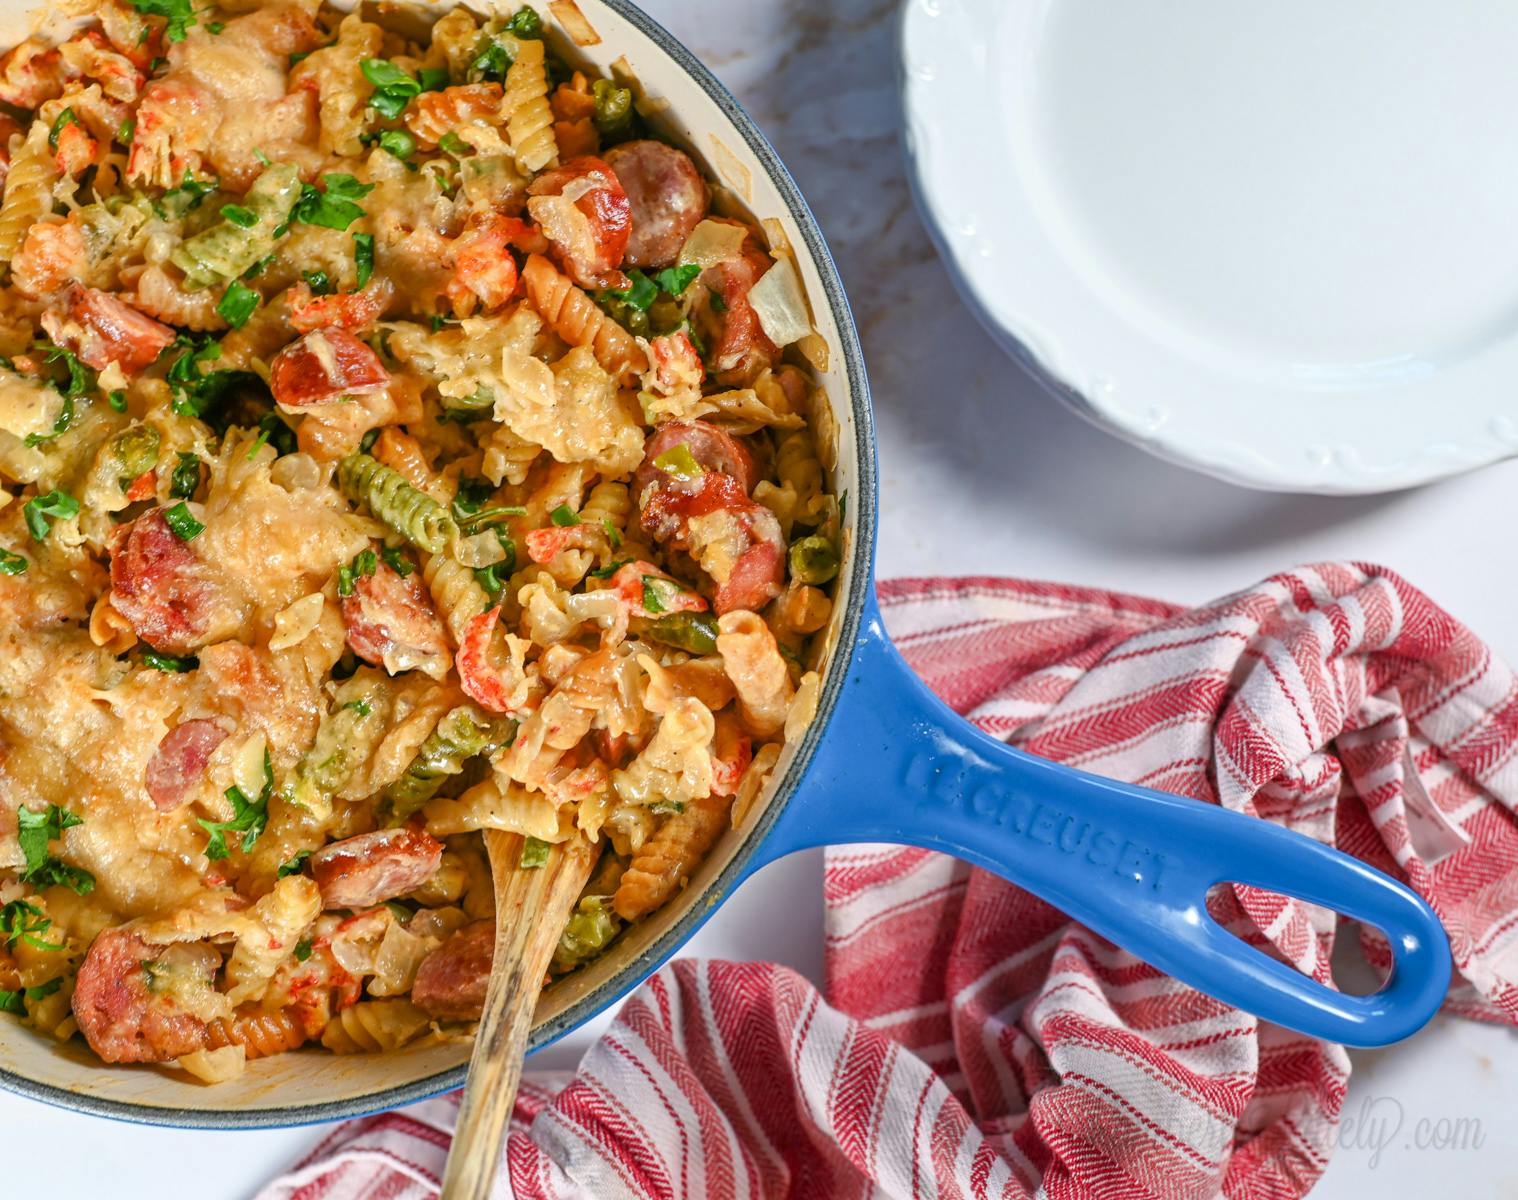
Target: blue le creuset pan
883, 761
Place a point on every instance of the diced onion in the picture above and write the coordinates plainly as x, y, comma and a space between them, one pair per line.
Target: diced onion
581, 31
248, 766
780, 304
713, 242
215, 1066
296, 473
480, 550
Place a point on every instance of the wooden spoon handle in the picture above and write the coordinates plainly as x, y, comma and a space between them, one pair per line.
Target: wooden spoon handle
531, 907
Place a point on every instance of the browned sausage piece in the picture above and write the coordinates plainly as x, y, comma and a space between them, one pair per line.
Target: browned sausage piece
451, 982
130, 996
180, 761
362, 871
668, 198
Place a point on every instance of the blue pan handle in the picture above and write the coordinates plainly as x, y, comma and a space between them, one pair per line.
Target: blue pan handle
897, 765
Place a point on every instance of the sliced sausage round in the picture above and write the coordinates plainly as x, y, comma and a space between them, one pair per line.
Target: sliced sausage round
583, 210
124, 1014
324, 366
667, 195
451, 982
392, 622
362, 871
179, 763
157, 585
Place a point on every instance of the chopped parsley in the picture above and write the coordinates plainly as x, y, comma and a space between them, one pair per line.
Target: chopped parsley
609, 569
659, 593
667, 806
564, 517
397, 561
303, 947
398, 143
64, 119
25, 922
193, 392
363, 564
81, 379
243, 218
182, 522
214, 27
237, 304
451, 143
319, 282
675, 280
361, 706
180, 14
171, 664
534, 853
248, 816
272, 431
35, 828
294, 866
14, 1002
39, 510
394, 88
363, 257
117, 401
11, 563
641, 295
65, 419
256, 269
185, 477
333, 208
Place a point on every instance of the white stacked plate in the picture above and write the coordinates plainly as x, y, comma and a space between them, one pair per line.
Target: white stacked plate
1278, 243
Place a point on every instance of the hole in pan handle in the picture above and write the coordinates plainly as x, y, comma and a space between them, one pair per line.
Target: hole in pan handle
897, 765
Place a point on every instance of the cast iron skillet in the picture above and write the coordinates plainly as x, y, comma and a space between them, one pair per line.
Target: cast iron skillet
883, 761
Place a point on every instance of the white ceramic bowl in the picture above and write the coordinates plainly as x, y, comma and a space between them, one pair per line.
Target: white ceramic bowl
312, 1085
1273, 242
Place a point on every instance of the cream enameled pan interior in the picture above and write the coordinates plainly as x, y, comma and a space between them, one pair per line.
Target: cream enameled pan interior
312, 1084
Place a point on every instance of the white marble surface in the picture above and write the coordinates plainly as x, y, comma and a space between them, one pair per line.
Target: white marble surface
981, 473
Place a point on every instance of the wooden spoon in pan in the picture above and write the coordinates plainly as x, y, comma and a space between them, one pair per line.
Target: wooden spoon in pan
532, 905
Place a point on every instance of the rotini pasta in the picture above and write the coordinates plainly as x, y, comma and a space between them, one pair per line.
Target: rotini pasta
575, 318
529, 117
357, 496
28, 190
372, 1026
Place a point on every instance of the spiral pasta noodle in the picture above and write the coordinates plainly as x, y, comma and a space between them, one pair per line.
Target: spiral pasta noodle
342, 92
666, 860
28, 190
529, 117
411, 513
433, 115
506, 457
576, 318
374, 1026
456, 592
262, 1033
160, 296
463, 733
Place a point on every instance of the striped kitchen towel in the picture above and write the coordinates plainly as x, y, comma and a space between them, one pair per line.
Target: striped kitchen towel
971, 1041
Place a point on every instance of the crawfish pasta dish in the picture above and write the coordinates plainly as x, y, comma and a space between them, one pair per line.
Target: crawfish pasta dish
398, 440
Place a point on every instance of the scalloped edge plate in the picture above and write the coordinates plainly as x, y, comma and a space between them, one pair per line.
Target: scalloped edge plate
1046, 269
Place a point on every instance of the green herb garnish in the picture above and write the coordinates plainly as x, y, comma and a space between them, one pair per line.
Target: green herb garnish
237, 304
40, 510
185, 477
363, 257
183, 523
248, 816
564, 517
12, 563
348, 574
243, 218
675, 280
171, 664
65, 118
334, 208
180, 13
293, 866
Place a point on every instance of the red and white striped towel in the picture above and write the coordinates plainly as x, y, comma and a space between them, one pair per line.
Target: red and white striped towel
974, 1042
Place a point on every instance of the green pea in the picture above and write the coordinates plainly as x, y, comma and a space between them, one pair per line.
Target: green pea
813, 560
